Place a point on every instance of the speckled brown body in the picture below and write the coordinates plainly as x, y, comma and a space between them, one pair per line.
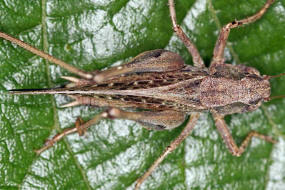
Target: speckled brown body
227, 89
186, 90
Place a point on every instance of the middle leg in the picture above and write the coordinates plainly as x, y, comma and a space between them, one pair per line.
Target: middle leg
197, 60
173, 145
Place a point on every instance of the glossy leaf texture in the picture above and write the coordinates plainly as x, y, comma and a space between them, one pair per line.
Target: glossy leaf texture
96, 34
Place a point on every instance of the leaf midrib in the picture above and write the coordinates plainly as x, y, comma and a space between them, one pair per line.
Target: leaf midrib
56, 126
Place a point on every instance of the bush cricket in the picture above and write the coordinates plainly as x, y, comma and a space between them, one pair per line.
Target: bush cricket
165, 90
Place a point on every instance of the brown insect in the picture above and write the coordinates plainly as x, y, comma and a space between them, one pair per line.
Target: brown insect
165, 90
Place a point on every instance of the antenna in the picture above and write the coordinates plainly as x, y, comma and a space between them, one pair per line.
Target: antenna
274, 97
275, 76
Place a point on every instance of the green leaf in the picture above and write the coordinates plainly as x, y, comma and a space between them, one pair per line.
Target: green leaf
96, 34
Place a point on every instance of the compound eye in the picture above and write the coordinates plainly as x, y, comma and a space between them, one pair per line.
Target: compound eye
255, 102
254, 106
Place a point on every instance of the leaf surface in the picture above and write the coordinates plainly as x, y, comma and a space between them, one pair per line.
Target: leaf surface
96, 34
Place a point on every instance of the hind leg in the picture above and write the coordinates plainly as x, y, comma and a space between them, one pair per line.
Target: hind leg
150, 61
46, 56
152, 120
158, 60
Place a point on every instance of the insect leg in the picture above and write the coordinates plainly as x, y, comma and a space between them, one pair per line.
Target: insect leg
225, 31
80, 128
158, 60
46, 56
197, 60
153, 120
159, 120
228, 139
173, 145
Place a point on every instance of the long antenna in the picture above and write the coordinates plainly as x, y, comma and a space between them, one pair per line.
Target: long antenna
275, 76
274, 97
46, 56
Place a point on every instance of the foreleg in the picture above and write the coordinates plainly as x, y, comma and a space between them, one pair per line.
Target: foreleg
225, 31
